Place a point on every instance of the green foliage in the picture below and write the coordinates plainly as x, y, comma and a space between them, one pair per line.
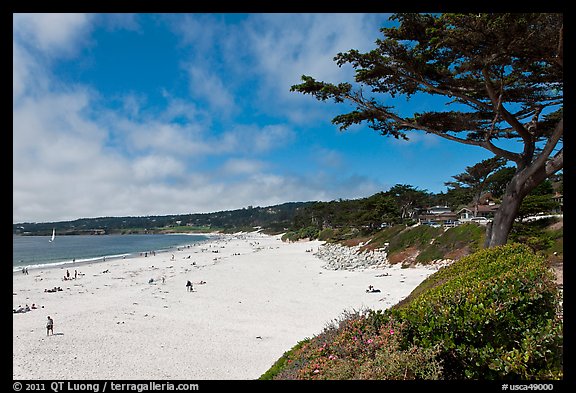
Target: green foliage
365, 215
491, 315
536, 235
494, 314
383, 237
357, 347
275, 219
303, 233
465, 236
475, 65
477, 177
419, 236
534, 204
326, 234
284, 360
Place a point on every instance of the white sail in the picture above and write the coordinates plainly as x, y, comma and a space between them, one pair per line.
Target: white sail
53, 235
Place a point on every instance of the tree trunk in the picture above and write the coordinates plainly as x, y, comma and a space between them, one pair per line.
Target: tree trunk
498, 230
521, 185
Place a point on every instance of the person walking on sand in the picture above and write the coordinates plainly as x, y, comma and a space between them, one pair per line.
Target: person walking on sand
189, 286
50, 326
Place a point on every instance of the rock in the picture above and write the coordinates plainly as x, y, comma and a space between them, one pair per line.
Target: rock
338, 257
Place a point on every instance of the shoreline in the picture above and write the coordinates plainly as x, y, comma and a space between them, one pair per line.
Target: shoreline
261, 296
129, 255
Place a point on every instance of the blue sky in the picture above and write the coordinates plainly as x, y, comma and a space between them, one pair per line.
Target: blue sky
158, 114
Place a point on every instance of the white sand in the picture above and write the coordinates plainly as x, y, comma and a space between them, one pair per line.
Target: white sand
253, 307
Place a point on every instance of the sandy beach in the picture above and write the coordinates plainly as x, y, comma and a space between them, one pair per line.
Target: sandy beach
135, 319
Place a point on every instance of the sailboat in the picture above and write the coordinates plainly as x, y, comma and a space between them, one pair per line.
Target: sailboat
53, 235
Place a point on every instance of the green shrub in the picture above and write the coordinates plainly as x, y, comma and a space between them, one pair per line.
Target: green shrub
490, 315
493, 313
470, 236
418, 236
304, 233
358, 347
326, 234
284, 360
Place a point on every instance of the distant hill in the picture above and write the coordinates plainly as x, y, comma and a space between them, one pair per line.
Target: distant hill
272, 219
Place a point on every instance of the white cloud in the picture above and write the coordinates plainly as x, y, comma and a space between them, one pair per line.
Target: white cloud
240, 166
53, 129
271, 137
75, 155
329, 158
22, 71
287, 46
208, 87
52, 33
163, 137
265, 54
156, 167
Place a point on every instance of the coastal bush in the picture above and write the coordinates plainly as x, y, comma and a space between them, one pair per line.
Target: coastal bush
383, 237
490, 315
465, 236
494, 314
285, 359
419, 236
326, 234
537, 234
357, 348
304, 233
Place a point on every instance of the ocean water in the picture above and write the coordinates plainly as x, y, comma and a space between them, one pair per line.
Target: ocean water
37, 251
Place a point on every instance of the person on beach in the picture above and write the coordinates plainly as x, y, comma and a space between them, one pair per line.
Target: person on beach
50, 326
189, 286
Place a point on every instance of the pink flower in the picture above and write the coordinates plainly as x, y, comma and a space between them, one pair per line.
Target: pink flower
391, 331
369, 341
316, 371
332, 357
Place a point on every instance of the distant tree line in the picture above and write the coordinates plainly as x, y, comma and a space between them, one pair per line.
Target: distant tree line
399, 205
276, 218
402, 203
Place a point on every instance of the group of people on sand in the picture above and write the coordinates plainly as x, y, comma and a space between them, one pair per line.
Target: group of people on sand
26, 308
67, 276
55, 289
371, 289
49, 322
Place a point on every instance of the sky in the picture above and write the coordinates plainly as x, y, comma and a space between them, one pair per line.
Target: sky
160, 114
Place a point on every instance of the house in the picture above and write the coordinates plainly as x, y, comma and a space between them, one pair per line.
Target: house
488, 210
559, 199
437, 210
437, 214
